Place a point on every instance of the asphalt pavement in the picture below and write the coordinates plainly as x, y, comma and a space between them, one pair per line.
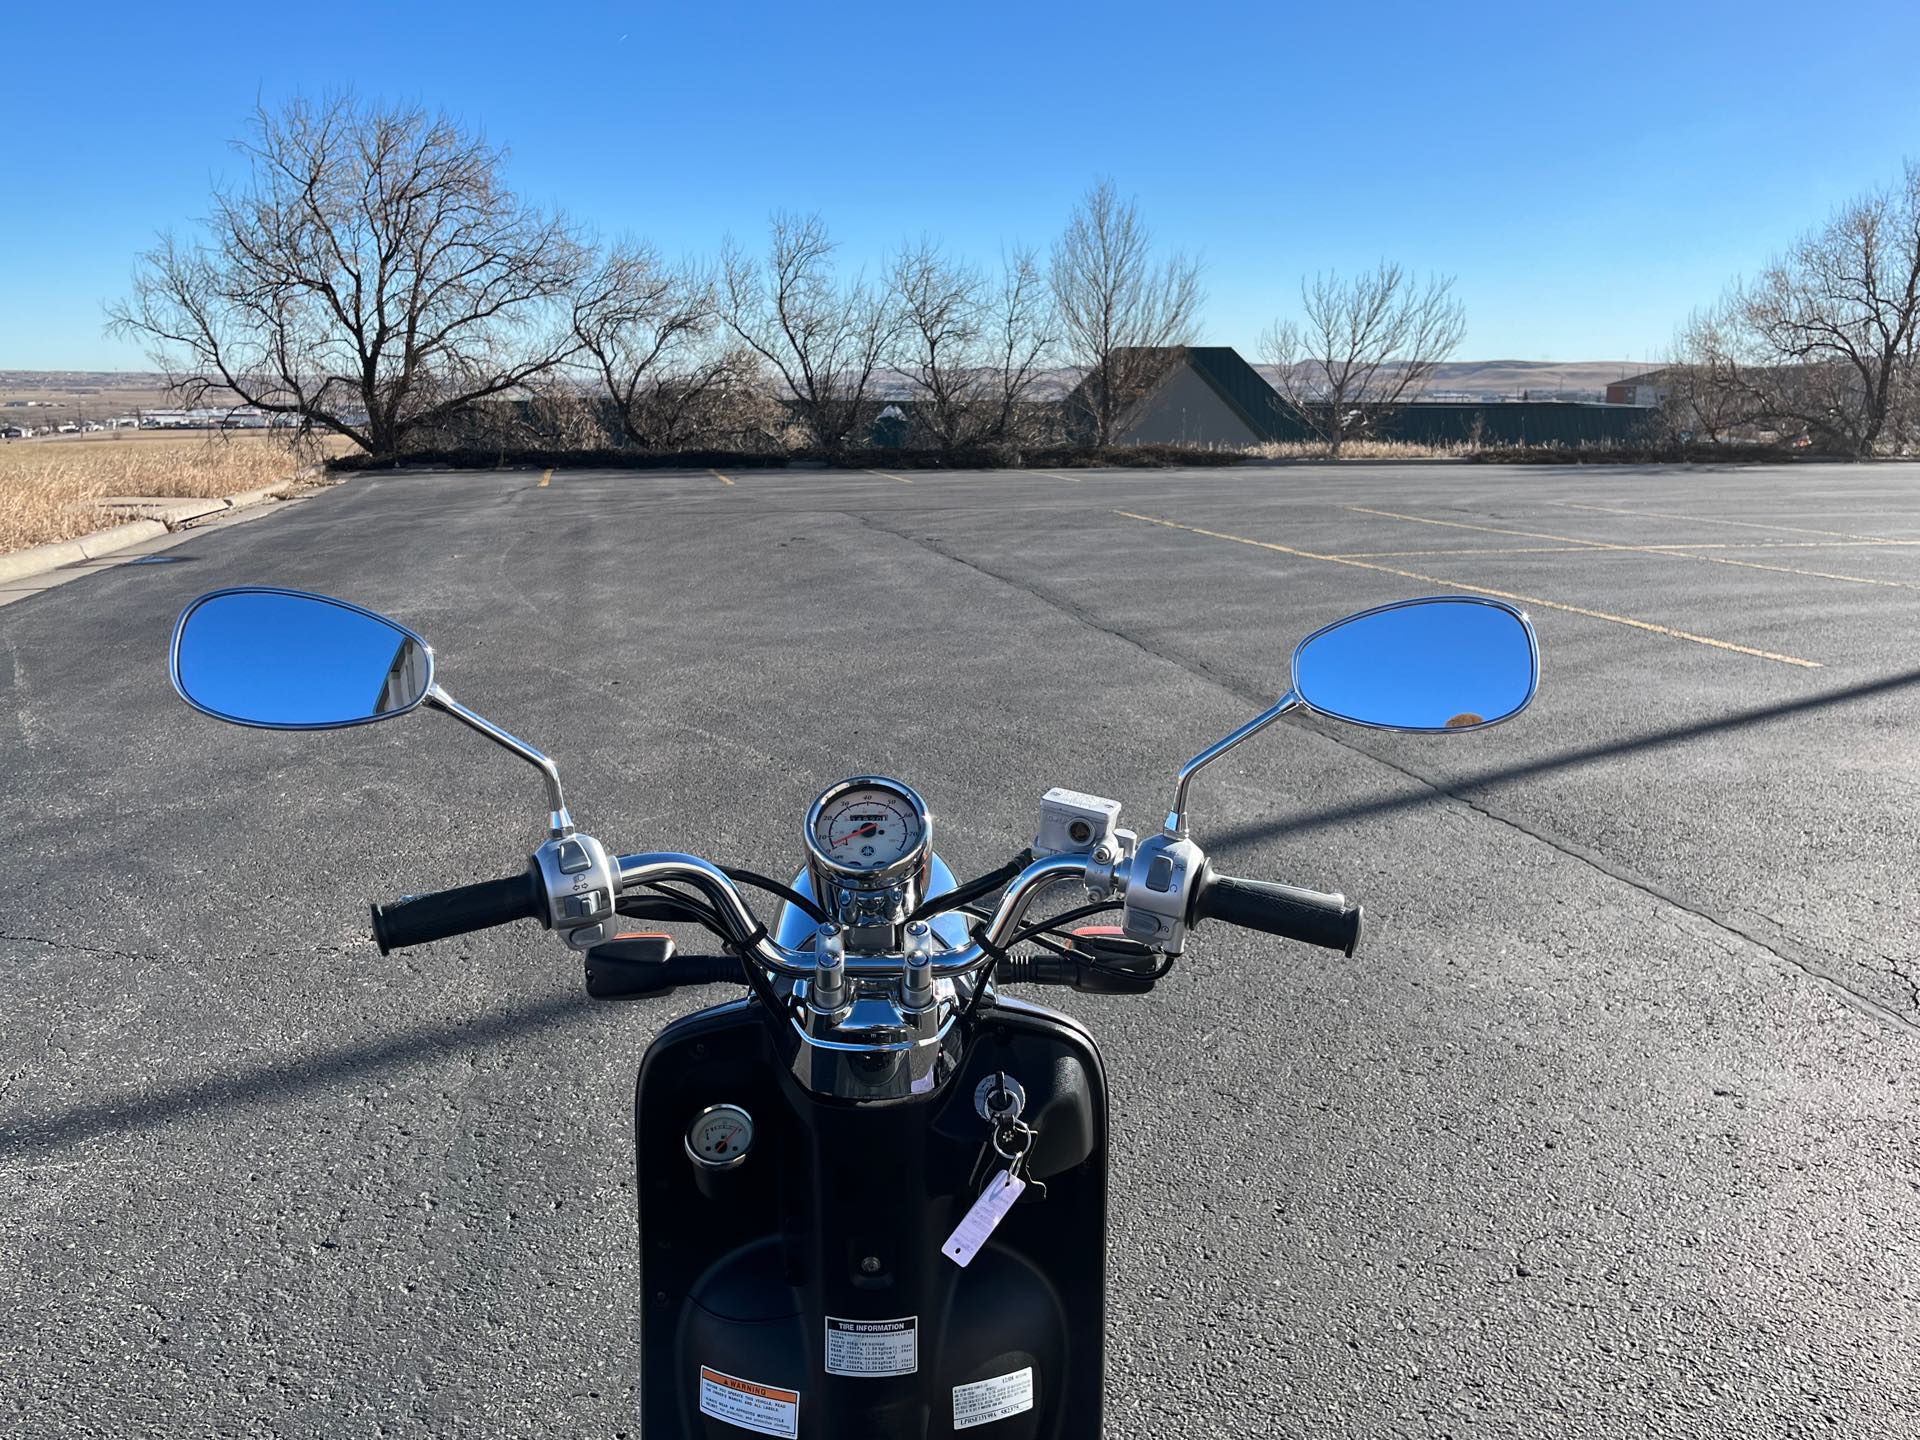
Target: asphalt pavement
1609, 1130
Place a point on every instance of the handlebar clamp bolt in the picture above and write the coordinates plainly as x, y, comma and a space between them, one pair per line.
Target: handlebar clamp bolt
917, 991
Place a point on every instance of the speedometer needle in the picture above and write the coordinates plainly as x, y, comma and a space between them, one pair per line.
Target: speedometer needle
866, 829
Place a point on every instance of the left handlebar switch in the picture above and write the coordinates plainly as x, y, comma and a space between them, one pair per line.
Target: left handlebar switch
582, 885
465, 908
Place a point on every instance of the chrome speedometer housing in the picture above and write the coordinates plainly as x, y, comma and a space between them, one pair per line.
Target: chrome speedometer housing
869, 847
869, 832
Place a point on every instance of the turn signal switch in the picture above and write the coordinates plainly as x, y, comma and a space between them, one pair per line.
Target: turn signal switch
582, 889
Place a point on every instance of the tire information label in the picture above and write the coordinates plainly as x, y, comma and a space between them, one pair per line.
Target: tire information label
985, 1401
763, 1409
873, 1347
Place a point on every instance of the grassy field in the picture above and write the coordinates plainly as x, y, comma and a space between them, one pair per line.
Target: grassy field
50, 489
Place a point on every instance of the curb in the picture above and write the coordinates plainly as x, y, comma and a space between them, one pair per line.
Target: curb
23, 563
39, 559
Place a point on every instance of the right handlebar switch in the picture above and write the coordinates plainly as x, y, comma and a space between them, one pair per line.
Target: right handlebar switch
1159, 898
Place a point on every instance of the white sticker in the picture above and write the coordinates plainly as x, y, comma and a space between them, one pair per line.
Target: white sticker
987, 1212
764, 1409
873, 1347
985, 1401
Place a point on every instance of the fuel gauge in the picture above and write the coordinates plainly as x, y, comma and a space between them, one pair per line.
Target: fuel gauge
720, 1137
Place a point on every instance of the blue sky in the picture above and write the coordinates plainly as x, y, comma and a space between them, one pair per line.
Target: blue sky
1588, 172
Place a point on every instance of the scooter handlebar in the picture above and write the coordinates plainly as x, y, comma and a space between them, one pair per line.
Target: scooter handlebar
465, 908
1307, 915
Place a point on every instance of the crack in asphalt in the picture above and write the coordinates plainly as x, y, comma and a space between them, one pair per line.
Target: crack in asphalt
82, 949
1782, 949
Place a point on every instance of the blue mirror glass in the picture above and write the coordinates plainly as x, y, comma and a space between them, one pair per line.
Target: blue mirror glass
1423, 665
285, 660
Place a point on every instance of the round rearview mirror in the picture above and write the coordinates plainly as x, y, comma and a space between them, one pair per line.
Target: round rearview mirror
286, 660
1438, 664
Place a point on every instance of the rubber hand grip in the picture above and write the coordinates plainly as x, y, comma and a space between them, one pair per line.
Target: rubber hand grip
1305, 915
459, 911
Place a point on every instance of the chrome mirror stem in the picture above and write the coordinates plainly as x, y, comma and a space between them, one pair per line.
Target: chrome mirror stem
559, 822
1176, 825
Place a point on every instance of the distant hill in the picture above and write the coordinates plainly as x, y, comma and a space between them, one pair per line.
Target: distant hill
1510, 379
94, 393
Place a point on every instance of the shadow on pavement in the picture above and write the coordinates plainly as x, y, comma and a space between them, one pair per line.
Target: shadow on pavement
268, 1082
1659, 739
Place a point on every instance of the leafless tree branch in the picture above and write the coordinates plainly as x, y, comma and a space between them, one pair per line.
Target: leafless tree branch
823, 338
1120, 312
371, 275
1362, 348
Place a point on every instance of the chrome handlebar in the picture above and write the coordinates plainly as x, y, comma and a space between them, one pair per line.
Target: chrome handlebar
749, 935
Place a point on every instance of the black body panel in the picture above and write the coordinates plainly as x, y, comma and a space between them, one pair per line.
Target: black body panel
840, 1211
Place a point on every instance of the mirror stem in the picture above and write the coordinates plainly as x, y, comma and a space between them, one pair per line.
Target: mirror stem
1176, 825
560, 823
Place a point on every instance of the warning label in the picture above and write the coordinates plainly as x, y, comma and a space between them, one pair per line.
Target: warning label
764, 1409
873, 1347
988, 1400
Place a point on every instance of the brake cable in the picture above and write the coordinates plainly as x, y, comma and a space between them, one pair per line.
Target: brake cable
961, 896
774, 887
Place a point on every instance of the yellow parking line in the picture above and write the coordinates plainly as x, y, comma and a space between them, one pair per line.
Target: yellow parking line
1627, 620
1491, 550
1783, 544
546, 478
885, 476
1637, 549
1713, 520
1589, 544
721, 478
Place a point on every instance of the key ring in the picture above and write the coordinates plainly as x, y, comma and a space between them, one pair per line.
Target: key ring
1005, 1134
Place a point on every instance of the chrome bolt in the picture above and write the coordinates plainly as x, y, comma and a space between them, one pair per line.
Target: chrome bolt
1103, 856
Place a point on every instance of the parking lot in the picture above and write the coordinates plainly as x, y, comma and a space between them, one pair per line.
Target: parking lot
1608, 1130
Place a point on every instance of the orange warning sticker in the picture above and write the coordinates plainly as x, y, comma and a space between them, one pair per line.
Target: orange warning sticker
763, 1409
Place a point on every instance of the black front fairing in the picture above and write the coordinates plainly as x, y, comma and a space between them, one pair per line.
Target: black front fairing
839, 1213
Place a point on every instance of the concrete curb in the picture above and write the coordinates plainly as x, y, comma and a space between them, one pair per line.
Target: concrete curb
39, 559
22, 563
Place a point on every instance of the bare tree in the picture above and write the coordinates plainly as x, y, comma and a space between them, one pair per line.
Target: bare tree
718, 399
373, 273
1362, 348
645, 329
1022, 330
1119, 311
1704, 398
1825, 341
825, 339
942, 307
969, 350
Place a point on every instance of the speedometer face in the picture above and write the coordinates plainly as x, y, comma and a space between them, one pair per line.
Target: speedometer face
867, 828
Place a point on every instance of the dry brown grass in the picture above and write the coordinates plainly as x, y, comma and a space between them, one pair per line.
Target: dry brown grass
1359, 450
50, 489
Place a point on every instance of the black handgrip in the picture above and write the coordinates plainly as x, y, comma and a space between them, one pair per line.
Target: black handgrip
1307, 915
465, 908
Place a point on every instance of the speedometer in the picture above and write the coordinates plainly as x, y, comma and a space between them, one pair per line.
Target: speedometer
868, 825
